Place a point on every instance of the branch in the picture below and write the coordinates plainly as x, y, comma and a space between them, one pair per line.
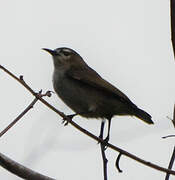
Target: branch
48, 93
18, 118
105, 161
123, 152
164, 137
173, 155
172, 8
173, 121
20, 170
103, 148
170, 164
117, 163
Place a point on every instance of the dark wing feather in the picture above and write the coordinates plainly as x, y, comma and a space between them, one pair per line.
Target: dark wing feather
85, 75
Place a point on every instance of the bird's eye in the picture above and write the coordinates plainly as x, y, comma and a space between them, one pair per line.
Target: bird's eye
66, 53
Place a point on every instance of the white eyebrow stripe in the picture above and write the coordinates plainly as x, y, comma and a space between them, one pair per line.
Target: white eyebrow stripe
67, 50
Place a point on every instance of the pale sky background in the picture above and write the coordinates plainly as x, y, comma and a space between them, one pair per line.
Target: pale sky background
128, 43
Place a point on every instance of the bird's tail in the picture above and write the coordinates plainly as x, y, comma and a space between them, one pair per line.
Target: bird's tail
144, 116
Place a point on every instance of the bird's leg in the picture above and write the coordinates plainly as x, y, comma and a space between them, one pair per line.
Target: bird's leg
101, 135
102, 130
109, 127
65, 122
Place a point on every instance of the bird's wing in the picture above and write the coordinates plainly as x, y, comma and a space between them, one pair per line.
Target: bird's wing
89, 76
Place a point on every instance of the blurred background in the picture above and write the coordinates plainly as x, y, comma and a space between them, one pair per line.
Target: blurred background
126, 42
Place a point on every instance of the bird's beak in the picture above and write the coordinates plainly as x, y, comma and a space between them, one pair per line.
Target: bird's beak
52, 52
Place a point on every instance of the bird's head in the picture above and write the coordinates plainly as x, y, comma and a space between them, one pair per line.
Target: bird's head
65, 57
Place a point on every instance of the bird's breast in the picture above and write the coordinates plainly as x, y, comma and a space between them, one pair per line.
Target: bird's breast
72, 93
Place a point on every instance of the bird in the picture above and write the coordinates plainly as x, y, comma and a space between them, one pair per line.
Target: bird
89, 95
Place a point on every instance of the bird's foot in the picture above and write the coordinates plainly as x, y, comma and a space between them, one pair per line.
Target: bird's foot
65, 122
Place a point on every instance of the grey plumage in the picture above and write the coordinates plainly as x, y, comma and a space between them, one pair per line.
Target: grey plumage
86, 92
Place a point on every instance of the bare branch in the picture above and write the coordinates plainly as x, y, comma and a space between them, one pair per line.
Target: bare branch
173, 121
172, 7
20, 170
48, 93
172, 16
19, 117
132, 156
103, 148
170, 164
105, 160
168, 136
117, 163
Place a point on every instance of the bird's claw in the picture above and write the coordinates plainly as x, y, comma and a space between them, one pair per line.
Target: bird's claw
65, 121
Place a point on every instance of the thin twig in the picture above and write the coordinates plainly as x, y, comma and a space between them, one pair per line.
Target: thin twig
173, 121
132, 156
117, 163
48, 93
170, 164
20, 170
168, 136
103, 148
105, 161
172, 7
18, 117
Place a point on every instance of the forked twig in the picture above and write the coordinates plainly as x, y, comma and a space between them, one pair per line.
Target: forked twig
172, 16
48, 93
173, 155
